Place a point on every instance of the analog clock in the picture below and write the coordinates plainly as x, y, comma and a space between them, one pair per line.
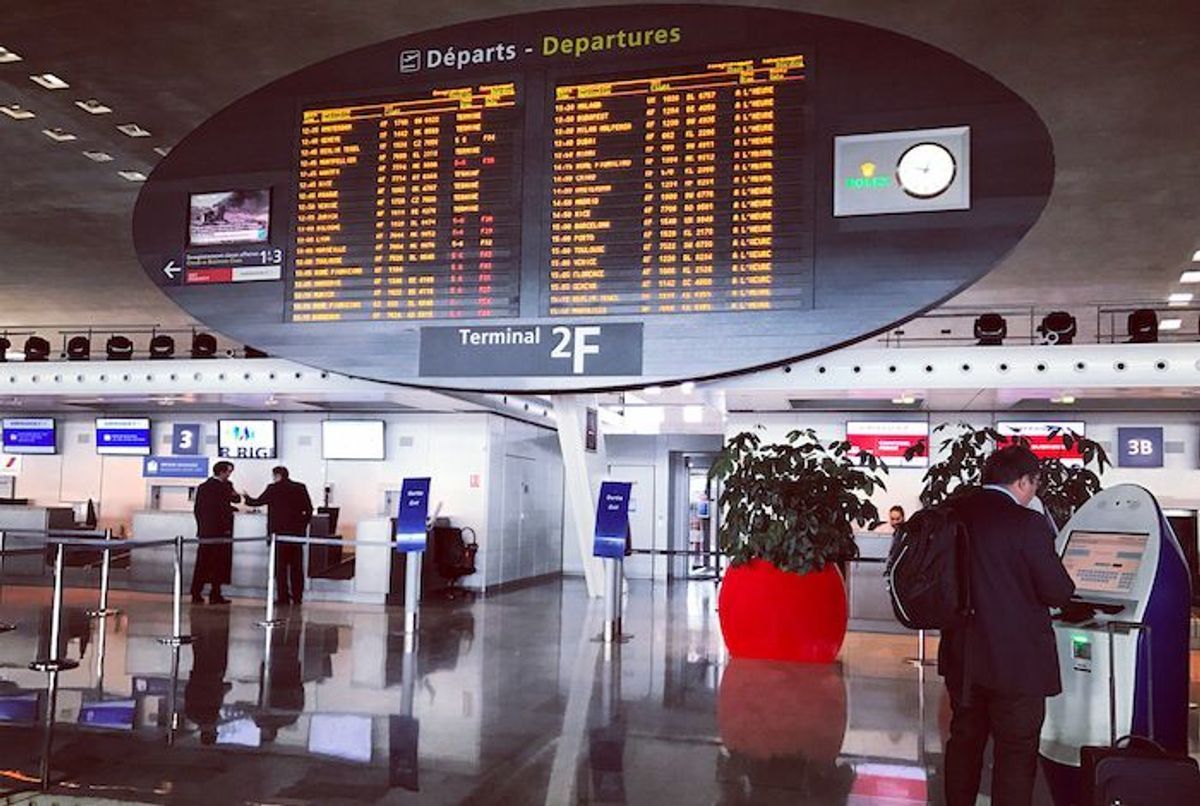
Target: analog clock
926, 170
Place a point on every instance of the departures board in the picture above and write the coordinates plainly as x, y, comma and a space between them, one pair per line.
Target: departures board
595, 198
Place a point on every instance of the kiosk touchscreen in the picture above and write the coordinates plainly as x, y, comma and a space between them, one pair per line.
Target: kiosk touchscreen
1127, 622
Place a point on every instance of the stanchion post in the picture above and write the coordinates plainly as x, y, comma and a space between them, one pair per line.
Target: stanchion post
920, 658
52, 662
272, 549
177, 638
172, 698
412, 592
102, 608
614, 575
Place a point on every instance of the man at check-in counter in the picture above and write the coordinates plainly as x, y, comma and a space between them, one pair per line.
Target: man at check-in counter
1002, 664
214, 519
289, 510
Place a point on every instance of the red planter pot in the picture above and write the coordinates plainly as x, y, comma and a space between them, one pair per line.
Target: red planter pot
778, 615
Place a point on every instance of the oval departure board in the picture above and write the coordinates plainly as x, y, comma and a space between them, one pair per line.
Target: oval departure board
595, 198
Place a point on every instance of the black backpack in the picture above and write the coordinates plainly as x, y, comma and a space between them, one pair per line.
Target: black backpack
927, 570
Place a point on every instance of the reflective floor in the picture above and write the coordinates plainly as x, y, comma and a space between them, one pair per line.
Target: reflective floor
504, 700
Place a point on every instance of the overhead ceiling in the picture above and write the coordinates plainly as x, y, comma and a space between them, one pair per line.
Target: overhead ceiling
1113, 81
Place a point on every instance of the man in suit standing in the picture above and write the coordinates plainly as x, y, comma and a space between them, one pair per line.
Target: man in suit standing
289, 509
214, 519
1001, 666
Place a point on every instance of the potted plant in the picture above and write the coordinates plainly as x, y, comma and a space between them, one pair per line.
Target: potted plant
1064, 487
788, 515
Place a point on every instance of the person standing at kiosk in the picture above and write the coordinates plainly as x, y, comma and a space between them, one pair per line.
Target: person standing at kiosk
289, 510
214, 519
1002, 665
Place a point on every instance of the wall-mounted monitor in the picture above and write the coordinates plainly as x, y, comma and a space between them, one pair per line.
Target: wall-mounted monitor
352, 439
123, 436
229, 217
34, 435
891, 440
1043, 445
246, 439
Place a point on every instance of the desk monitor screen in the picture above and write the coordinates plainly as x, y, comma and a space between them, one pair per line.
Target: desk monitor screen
1104, 562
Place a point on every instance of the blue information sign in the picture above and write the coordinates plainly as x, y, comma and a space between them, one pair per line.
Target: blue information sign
185, 439
410, 520
1139, 447
612, 519
175, 467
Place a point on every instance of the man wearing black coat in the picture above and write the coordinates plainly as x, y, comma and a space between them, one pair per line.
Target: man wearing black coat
1002, 665
289, 509
214, 519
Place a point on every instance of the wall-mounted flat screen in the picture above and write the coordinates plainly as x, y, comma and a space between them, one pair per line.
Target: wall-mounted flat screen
246, 439
1104, 563
30, 435
890, 441
123, 436
1046, 438
352, 439
229, 217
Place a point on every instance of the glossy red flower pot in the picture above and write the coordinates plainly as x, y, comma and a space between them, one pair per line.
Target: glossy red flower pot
778, 615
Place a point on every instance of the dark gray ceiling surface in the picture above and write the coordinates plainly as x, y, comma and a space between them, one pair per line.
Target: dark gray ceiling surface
1114, 81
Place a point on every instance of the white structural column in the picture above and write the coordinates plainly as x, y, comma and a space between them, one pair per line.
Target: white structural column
582, 473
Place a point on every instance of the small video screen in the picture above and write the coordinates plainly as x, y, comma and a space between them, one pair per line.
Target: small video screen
229, 217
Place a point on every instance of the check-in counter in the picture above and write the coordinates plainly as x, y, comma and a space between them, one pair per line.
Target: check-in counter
870, 606
29, 518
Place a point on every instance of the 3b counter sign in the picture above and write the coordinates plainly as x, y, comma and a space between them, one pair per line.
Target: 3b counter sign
1139, 447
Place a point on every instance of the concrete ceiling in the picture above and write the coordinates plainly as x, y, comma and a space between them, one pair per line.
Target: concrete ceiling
1115, 82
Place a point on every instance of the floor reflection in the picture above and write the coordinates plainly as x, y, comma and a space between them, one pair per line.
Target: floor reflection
502, 700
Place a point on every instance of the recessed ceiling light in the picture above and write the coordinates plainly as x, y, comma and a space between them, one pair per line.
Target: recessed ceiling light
1190, 277
1179, 298
1063, 400
49, 81
59, 135
162, 151
133, 176
18, 112
98, 156
687, 387
1170, 324
94, 107
904, 400
7, 56
133, 130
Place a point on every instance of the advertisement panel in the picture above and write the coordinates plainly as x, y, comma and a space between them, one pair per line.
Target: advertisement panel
889, 441
246, 439
1041, 442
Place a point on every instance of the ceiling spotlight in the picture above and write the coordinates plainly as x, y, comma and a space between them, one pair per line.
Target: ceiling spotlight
1179, 298
59, 135
49, 81
98, 156
162, 151
1190, 277
1170, 324
7, 56
133, 176
133, 130
904, 400
1063, 400
18, 112
93, 107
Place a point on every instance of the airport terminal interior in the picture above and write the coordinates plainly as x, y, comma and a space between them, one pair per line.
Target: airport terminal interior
616, 347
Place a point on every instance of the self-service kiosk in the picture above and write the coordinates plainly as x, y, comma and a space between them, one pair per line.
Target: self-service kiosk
1123, 642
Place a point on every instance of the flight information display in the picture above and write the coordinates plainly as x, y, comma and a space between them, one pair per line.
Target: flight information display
682, 192
409, 208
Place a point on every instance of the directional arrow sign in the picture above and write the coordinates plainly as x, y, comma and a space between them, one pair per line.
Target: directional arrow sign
171, 270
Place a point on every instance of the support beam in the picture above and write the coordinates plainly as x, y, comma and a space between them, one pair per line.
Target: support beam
582, 473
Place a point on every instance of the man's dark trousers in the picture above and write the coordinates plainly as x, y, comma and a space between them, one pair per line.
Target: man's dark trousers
1014, 721
289, 570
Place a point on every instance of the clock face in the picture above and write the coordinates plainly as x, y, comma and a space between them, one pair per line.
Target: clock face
926, 170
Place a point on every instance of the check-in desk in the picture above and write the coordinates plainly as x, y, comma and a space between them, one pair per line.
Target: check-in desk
870, 607
37, 519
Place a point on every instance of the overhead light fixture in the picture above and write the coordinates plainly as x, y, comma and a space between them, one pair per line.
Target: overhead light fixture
49, 81
1190, 277
1196, 256
59, 135
687, 387
1063, 400
133, 130
693, 414
17, 112
162, 151
93, 107
1170, 324
98, 156
904, 400
132, 176
7, 56
1179, 298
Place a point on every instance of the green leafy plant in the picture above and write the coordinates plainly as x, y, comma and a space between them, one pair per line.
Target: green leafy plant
794, 503
1064, 487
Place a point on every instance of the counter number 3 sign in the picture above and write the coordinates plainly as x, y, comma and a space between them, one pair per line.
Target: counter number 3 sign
185, 439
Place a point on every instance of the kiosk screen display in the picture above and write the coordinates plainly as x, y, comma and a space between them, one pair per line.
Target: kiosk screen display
1104, 562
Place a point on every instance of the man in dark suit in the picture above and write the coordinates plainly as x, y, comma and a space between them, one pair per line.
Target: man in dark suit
289, 509
214, 519
1002, 664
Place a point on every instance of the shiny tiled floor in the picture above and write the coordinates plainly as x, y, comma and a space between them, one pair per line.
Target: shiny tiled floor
506, 700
